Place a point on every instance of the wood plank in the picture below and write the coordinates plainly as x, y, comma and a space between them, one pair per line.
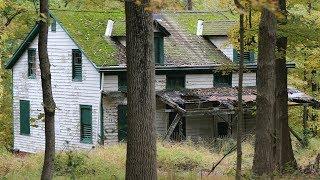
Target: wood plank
172, 126
174, 105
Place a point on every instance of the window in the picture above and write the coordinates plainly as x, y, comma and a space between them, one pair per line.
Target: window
248, 56
158, 49
54, 25
32, 63
122, 122
220, 79
86, 124
122, 82
175, 82
76, 65
24, 117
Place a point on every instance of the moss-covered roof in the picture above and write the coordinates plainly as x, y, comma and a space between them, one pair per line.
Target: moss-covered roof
189, 19
217, 28
87, 30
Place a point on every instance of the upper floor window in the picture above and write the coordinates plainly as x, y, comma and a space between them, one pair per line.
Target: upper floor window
32, 63
220, 79
122, 82
248, 56
175, 82
53, 25
76, 65
158, 49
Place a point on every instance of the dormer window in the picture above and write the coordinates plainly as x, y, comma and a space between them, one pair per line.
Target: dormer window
158, 49
76, 65
248, 56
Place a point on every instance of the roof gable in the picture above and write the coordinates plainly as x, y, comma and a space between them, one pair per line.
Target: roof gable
23, 47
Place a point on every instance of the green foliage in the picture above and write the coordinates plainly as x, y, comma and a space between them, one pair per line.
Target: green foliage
87, 29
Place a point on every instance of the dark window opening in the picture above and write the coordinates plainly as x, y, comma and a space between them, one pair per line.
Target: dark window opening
220, 79
76, 65
122, 122
122, 82
175, 82
32, 63
223, 129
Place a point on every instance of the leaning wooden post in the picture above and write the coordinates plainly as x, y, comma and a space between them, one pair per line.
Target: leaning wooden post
305, 119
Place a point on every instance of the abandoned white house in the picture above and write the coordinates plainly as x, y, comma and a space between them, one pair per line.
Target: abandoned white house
88, 66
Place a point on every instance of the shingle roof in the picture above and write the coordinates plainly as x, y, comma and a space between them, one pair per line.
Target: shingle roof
217, 28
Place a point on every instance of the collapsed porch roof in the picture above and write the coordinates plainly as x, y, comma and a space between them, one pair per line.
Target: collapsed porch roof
222, 100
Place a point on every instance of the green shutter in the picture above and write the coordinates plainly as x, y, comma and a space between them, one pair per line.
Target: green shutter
122, 122
222, 80
159, 50
31, 63
122, 82
54, 25
176, 82
86, 123
248, 56
76, 65
24, 117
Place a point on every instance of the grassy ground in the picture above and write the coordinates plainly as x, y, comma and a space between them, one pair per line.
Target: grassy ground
175, 161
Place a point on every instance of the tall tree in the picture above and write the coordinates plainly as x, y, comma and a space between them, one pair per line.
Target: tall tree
263, 162
189, 5
141, 145
240, 104
48, 101
285, 156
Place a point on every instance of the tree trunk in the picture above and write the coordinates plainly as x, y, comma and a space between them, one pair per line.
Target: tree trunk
263, 162
141, 145
240, 105
48, 102
189, 5
285, 156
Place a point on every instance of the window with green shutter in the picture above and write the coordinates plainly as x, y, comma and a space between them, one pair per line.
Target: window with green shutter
86, 124
122, 82
175, 82
248, 56
222, 80
122, 122
24, 117
32, 63
76, 65
53, 25
158, 49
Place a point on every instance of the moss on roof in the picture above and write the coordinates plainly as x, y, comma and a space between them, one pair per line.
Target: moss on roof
189, 20
87, 30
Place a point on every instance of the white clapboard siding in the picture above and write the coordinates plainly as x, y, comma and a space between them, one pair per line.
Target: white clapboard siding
110, 83
160, 82
249, 79
222, 43
194, 81
67, 94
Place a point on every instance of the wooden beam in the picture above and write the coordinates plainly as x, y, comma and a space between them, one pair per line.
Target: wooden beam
174, 105
172, 126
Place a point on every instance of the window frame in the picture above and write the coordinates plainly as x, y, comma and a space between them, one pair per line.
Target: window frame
158, 49
75, 76
53, 25
227, 76
176, 78
32, 60
82, 139
26, 120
